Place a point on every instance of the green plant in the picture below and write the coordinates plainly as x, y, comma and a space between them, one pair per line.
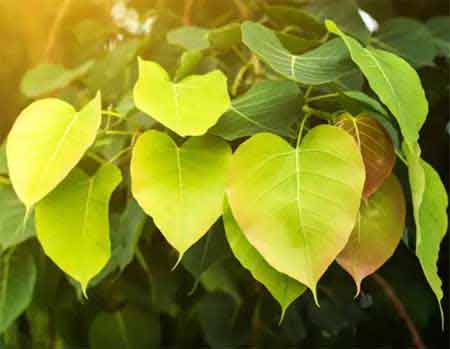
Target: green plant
310, 180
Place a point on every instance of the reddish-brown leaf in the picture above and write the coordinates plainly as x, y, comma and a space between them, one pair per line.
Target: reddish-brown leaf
376, 147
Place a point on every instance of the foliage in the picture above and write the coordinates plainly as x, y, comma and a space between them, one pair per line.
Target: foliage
264, 141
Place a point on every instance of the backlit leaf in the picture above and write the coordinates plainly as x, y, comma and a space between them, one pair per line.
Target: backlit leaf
376, 147
395, 82
17, 280
409, 39
377, 233
72, 222
283, 288
189, 107
297, 207
327, 63
12, 213
270, 106
181, 188
47, 140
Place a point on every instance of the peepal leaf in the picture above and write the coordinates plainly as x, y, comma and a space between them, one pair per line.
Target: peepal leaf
12, 213
440, 28
285, 199
270, 106
72, 222
46, 78
394, 81
327, 63
409, 39
377, 233
282, 287
226, 37
189, 38
46, 142
129, 328
17, 280
189, 107
181, 188
376, 147
433, 221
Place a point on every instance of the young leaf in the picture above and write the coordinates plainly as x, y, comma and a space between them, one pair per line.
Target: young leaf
377, 232
270, 106
72, 222
376, 147
17, 280
285, 199
182, 189
189, 38
327, 63
47, 140
409, 39
189, 107
129, 328
433, 222
283, 288
46, 78
394, 81
12, 213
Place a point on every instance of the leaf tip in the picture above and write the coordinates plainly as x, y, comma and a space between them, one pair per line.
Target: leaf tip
314, 293
180, 257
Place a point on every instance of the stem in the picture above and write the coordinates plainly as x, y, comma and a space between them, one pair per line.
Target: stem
244, 11
318, 98
318, 113
308, 92
111, 113
118, 133
238, 79
188, 4
120, 154
300, 130
55, 28
401, 157
95, 157
401, 311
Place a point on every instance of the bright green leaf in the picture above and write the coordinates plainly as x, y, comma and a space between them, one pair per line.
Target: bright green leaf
46, 78
72, 222
377, 233
282, 287
181, 188
47, 140
12, 213
189, 107
327, 63
409, 39
297, 207
270, 106
189, 38
129, 328
17, 280
395, 82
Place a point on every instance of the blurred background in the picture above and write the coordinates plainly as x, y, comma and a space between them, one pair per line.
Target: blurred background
74, 33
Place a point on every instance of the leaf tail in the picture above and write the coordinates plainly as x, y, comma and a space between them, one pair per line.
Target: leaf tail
180, 257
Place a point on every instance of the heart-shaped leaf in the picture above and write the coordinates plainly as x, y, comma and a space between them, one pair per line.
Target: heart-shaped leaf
297, 207
46, 142
17, 281
270, 106
182, 189
378, 231
72, 222
327, 63
376, 148
282, 287
395, 82
189, 107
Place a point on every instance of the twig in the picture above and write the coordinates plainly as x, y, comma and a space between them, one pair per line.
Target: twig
401, 311
244, 11
54, 30
188, 4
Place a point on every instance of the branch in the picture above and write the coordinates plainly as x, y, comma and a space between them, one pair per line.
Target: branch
401, 310
54, 30
188, 4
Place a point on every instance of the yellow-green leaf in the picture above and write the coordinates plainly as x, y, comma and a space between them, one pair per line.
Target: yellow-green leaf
377, 233
189, 107
297, 207
72, 222
181, 188
46, 142
395, 82
282, 287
